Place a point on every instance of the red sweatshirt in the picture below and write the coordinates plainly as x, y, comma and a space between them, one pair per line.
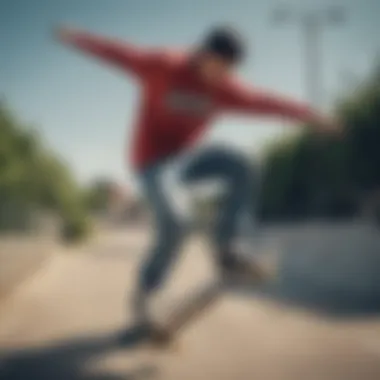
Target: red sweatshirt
177, 106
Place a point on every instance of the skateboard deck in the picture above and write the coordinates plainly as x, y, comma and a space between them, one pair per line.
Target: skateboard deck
183, 313
163, 335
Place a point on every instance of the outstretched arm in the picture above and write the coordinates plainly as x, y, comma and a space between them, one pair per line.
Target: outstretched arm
237, 98
120, 54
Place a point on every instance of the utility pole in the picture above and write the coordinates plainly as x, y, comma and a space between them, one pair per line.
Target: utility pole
312, 23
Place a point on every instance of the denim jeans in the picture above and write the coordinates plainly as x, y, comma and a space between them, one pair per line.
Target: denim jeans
214, 163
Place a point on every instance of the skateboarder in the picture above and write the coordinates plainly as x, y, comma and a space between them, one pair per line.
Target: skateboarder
181, 94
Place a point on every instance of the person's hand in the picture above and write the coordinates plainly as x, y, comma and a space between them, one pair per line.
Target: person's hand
330, 127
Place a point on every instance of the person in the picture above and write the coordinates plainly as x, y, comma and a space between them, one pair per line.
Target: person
181, 94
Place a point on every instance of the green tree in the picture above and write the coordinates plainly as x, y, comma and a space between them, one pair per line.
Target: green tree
32, 177
313, 175
98, 195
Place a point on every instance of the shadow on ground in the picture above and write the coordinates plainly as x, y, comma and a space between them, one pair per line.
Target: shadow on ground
72, 360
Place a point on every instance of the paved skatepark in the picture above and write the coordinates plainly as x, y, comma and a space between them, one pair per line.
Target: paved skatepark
320, 320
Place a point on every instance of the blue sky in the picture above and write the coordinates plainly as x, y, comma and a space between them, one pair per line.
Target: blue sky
85, 111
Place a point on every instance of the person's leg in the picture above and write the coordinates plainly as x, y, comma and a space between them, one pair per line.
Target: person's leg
241, 183
168, 238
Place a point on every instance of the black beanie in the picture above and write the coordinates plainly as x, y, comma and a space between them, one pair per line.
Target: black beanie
226, 42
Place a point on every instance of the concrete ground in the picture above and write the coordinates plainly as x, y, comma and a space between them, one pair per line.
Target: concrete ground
319, 321
20, 257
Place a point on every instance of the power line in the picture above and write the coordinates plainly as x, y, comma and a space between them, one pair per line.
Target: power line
312, 23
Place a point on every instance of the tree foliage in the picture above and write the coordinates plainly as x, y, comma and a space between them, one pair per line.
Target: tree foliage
324, 176
33, 178
99, 194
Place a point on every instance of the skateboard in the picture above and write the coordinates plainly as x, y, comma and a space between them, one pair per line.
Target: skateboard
163, 335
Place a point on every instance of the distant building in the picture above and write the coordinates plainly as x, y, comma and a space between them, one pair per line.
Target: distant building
123, 206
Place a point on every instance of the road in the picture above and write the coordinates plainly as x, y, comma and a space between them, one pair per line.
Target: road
320, 321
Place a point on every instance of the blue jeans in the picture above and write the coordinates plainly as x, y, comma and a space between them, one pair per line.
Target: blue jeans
210, 164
